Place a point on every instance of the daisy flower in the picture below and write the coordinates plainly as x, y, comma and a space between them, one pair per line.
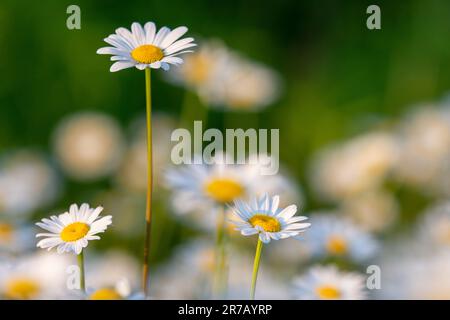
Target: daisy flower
333, 236
71, 231
263, 217
328, 283
143, 47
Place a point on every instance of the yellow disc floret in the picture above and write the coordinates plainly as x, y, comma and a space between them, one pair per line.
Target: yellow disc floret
105, 294
224, 190
6, 231
328, 292
268, 223
74, 231
147, 54
21, 289
336, 245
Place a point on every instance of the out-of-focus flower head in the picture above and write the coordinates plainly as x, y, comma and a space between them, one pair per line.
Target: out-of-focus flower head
189, 274
15, 238
223, 78
27, 183
328, 283
434, 226
373, 211
37, 276
424, 149
354, 167
332, 235
88, 145
114, 275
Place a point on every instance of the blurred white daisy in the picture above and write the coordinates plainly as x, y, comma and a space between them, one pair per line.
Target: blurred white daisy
263, 217
120, 291
224, 79
202, 189
144, 47
357, 166
36, 276
328, 283
71, 231
249, 86
424, 149
434, 226
334, 236
15, 238
114, 268
373, 211
88, 145
27, 183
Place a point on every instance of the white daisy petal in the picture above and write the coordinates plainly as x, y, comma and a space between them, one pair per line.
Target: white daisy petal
162, 33
173, 36
150, 31
120, 65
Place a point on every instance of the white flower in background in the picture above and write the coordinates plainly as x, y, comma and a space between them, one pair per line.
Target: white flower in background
335, 236
144, 47
424, 149
415, 270
15, 238
132, 174
249, 86
120, 291
328, 283
354, 167
114, 269
264, 218
71, 231
88, 145
36, 276
373, 211
204, 69
27, 183
188, 274
434, 226
223, 78
202, 189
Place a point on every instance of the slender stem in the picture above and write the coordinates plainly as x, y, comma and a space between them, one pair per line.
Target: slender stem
259, 247
80, 259
221, 257
148, 211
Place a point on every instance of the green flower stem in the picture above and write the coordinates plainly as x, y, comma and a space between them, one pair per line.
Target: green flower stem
148, 211
259, 247
80, 259
220, 276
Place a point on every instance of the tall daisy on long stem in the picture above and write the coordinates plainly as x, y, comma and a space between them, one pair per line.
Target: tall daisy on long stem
71, 232
264, 218
146, 49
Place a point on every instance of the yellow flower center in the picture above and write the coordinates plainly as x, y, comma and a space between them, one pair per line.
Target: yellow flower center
336, 245
197, 69
224, 190
269, 224
6, 231
22, 289
328, 292
105, 294
147, 54
74, 231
